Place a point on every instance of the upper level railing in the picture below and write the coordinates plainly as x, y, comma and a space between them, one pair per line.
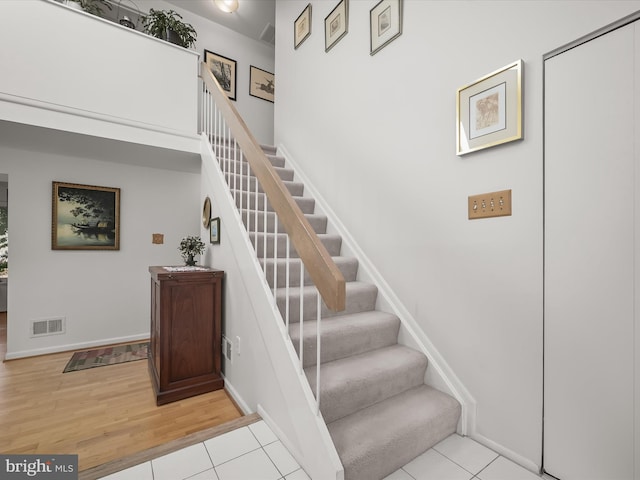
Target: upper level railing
318, 262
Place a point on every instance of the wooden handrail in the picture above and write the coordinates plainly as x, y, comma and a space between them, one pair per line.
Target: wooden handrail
323, 271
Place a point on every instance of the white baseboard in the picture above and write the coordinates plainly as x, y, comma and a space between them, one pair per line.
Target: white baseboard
75, 346
505, 452
236, 397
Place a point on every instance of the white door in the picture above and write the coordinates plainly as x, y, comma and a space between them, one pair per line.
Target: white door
591, 225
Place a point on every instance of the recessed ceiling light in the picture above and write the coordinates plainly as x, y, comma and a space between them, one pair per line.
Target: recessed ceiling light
228, 6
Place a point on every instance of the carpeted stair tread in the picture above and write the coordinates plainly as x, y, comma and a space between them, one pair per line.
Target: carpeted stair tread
359, 381
240, 167
296, 189
229, 152
361, 297
232, 155
345, 335
376, 441
306, 204
332, 242
348, 266
268, 149
318, 222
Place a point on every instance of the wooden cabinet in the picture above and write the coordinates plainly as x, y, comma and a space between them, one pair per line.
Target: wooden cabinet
185, 347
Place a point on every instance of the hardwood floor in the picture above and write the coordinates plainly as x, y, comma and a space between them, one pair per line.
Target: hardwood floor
101, 414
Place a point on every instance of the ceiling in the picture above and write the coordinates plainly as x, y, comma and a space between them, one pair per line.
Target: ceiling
69, 144
251, 18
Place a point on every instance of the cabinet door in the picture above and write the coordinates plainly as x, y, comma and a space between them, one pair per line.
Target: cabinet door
192, 330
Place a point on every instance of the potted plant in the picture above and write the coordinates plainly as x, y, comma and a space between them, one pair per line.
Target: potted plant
168, 25
90, 6
190, 247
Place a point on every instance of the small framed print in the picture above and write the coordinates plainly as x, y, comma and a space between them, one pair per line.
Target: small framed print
85, 217
386, 24
214, 230
261, 84
302, 27
224, 69
336, 25
489, 110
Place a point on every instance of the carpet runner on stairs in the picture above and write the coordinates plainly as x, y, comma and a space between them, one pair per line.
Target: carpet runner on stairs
378, 410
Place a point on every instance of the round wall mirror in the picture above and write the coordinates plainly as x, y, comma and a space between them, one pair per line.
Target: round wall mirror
206, 213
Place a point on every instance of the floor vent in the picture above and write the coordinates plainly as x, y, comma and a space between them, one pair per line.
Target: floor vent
48, 326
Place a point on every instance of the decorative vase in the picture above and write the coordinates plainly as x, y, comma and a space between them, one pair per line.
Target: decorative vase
190, 260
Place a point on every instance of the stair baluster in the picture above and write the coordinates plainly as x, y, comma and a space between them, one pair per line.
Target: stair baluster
244, 187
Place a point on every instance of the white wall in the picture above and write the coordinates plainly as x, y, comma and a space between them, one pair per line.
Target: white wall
119, 76
97, 69
257, 113
104, 295
376, 135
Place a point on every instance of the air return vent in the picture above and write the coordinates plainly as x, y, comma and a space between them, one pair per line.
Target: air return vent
47, 326
269, 34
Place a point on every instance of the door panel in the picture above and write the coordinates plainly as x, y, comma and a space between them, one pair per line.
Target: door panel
590, 193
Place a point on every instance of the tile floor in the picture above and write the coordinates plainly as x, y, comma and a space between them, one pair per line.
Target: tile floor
255, 453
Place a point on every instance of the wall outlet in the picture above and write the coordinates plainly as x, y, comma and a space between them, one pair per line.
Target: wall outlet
492, 204
237, 346
227, 348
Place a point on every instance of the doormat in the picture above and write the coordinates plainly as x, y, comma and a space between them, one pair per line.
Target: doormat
107, 356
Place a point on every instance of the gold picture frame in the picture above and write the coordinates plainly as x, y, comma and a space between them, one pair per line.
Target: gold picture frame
489, 110
302, 27
85, 217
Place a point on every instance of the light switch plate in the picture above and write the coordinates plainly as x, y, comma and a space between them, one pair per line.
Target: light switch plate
157, 238
492, 204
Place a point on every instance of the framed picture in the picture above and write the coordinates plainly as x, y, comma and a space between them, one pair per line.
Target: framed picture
386, 24
302, 27
489, 110
261, 84
214, 230
224, 69
336, 25
85, 217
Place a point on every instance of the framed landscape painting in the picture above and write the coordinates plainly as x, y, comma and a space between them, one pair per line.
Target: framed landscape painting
489, 110
224, 69
85, 217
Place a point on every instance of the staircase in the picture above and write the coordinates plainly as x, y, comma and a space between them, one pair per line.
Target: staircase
378, 410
